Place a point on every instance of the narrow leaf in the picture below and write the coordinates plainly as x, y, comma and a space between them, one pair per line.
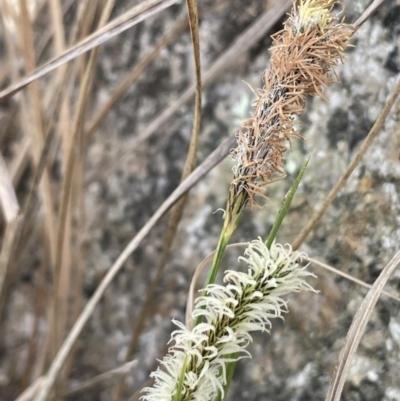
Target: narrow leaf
285, 206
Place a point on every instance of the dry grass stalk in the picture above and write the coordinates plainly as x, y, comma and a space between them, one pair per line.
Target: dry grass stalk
348, 277
111, 374
34, 123
64, 251
10, 233
8, 199
368, 12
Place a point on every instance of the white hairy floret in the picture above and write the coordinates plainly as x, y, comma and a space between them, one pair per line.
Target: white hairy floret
229, 313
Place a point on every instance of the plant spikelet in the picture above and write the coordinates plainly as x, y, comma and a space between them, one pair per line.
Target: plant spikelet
229, 313
303, 56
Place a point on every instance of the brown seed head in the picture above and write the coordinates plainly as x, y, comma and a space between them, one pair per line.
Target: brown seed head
304, 53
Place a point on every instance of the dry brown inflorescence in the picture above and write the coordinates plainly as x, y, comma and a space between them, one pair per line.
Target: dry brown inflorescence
303, 56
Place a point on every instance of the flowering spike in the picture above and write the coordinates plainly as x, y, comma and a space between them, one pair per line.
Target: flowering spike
303, 56
229, 313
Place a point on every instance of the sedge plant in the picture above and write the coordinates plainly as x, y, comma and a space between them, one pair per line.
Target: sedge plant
304, 53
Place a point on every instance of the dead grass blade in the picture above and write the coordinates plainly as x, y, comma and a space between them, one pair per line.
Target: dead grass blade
78, 254
41, 295
123, 369
58, 362
62, 133
132, 17
30, 392
348, 277
177, 210
356, 331
33, 123
20, 160
10, 206
240, 46
63, 265
7, 248
368, 12
8, 199
194, 31
57, 18
350, 168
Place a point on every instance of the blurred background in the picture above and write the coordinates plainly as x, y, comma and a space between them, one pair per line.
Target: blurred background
125, 162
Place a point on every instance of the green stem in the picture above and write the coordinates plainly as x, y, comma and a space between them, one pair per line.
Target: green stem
235, 206
219, 253
234, 209
285, 206
178, 394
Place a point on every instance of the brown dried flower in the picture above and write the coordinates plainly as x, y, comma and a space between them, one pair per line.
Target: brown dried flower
304, 53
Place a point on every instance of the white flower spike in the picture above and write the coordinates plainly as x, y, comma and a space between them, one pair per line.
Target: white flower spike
229, 313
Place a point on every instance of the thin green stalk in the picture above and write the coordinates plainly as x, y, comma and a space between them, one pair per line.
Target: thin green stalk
235, 207
177, 396
285, 206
